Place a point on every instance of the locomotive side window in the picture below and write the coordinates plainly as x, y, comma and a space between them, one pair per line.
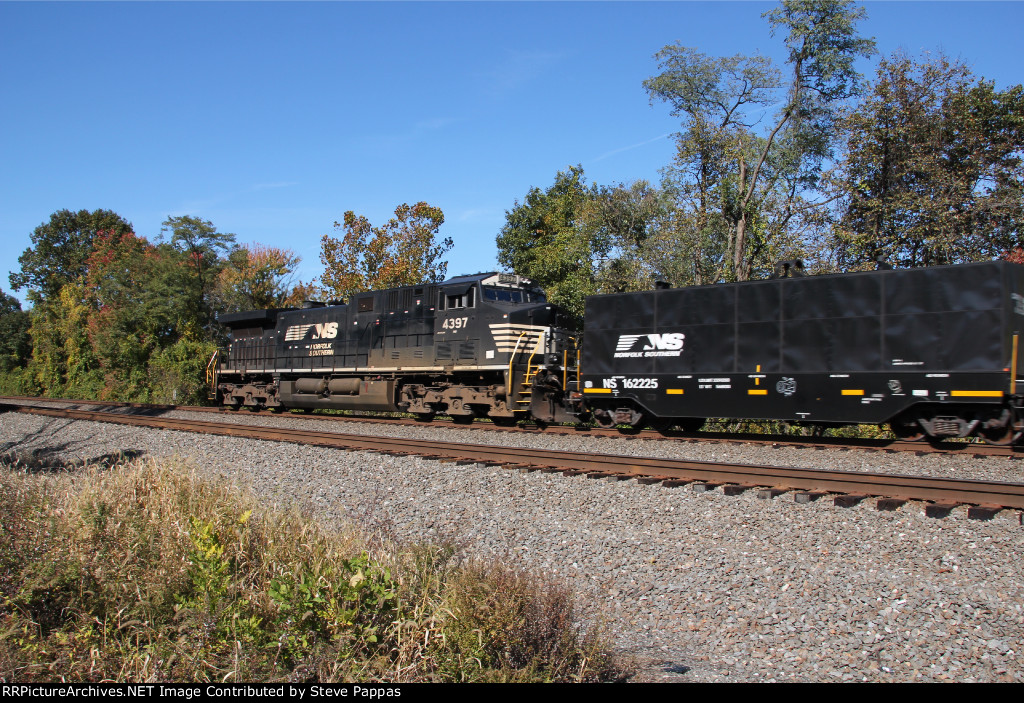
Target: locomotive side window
460, 300
366, 304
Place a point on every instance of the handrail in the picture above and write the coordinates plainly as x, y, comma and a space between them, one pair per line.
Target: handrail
539, 344
211, 373
511, 360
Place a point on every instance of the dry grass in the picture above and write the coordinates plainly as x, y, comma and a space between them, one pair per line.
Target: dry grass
144, 571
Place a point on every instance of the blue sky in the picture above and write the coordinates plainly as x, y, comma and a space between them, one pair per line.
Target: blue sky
272, 119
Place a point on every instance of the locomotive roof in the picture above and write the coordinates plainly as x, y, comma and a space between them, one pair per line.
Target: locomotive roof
267, 318
250, 317
473, 278
491, 277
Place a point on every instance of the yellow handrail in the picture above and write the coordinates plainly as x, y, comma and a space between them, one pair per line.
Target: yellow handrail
511, 360
1013, 368
540, 342
211, 373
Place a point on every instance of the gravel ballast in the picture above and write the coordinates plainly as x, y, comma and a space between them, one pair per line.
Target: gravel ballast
697, 587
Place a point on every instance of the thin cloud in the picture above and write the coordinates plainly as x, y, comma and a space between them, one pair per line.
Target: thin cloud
613, 152
417, 130
270, 186
478, 214
517, 69
433, 124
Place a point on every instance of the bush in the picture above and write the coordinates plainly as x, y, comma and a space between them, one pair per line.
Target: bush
178, 373
146, 572
18, 381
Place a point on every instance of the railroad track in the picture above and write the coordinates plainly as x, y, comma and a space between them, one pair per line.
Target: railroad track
963, 448
982, 498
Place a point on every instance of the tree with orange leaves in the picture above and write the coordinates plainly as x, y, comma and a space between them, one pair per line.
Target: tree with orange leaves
258, 277
404, 251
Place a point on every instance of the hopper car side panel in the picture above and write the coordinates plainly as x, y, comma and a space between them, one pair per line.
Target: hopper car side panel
849, 348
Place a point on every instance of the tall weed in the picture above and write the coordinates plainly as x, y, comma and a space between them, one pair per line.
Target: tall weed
144, 571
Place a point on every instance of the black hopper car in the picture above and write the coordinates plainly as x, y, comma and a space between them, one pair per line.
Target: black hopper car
487, 345
934, 352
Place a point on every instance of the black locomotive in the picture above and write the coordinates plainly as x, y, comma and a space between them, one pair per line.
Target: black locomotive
932, 351
488, 345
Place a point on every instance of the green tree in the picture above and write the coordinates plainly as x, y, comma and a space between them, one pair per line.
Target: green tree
738, 186
575, 240
625, 220
136, 310
15, 343
543, 239
932, 171
59, 251
202, 247
63, 362
404, 251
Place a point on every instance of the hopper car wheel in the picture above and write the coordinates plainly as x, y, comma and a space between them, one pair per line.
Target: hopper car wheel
662, 425
1002, 436
463, 419
603, 418
691, 425
424, 417
908, 430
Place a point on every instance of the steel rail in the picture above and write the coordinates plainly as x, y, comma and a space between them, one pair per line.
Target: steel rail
945, 491
822, 443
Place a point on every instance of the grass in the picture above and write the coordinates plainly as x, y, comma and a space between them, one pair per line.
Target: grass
143, 571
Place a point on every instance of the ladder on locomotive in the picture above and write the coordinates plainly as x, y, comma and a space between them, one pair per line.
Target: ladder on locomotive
526, 387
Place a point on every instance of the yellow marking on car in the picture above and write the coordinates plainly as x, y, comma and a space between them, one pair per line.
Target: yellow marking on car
673, 391
853, 391
976, 394
597, 390
757, 391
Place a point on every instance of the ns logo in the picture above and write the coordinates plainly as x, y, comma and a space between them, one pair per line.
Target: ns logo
327, 330
667, 342
324, 330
